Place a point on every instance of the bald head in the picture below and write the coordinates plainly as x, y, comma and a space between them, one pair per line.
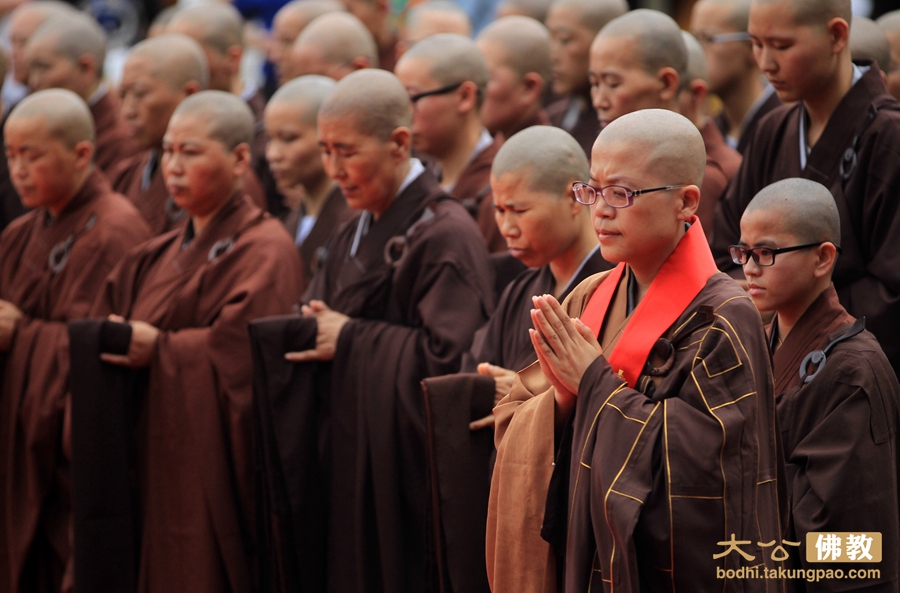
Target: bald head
536, 9
436, 16
659, 43
696, 59
23, 22
738, 11
373, 99
229, 119
815, 12
594, 14
338, 38
868, 41
305, 95
71, 36
523, 42
548, 158
799, 207
293, 17
451, 59
671, 143
890, 21
66, 115
216, 25
175, 59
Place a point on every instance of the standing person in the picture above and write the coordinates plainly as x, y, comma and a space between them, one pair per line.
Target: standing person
842, 130
53, 262
838, 413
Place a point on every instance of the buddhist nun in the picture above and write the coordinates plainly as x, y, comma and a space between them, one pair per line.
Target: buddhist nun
158, 74
573, 24
332, 45
841, 129
184, 300
376, 16
837, 396
535, 9
653, 383
517, 52
68, 52
23, 22
289, 21
869, 42
734, 77
890, 24
293, 155
10, 205
402, 289
53, 262
430, 18
446, 76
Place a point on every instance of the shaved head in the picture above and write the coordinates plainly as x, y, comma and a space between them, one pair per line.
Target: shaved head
696, 60
594, 14
73, 36
738, 13
451, 59
525, 44
890, 21
549, 159
176, 59
868, 41
374, 99
295, 15
67, 116
341, 37
659, 43
536, 9
305, 94
228, 117
815, 12
23, 22
800, 207
436, 16
671, 142
219, 26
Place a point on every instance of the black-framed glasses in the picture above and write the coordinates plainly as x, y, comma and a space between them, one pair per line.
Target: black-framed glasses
707, 39
438, 91
616, 196
765, 256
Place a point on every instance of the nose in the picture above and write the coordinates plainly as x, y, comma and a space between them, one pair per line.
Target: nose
765, 59
333, 164
507, 224
751, 268
599, 99
16, 169
273, 151
600, 209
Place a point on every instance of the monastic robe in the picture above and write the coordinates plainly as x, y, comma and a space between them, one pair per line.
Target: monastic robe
193, 437
387, 55
416, 291
660, 460
749, 125
334, 212
51, 269
839, 433
576, 115
112, 144
140, 179
473, 189
856, 159
722, 163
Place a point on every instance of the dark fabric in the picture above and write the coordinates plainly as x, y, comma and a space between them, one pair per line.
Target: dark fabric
506, 269
193, 435
387, 55
856, 159
839, 434
748, 128
538, 119
587, 126
722, 164
112, 144
334, 213
459, 466
473, 189
274, 200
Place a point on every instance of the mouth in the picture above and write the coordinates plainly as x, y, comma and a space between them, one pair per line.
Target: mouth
755, 289
606, 235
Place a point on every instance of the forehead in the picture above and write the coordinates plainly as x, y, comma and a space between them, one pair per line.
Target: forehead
621, 161
413, 70
31, 130
765, 224
513, 187
494, 52
619, 53
189, 127
772, 14
25, 22
287, 112
44, 46
560, 16
708, 13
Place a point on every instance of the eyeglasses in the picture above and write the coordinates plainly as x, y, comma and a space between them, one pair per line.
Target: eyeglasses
765, 256
439, 91
707, 39
615, 196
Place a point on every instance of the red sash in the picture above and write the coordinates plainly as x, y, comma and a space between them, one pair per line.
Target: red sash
678, 282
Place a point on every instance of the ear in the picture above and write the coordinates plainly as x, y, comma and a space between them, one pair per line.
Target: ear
359, 63
234, 56
87, 65
468, 95
699, 91
241, 153
401, 140
84, 154
840, 34
533, 84
825, 260
191, 87
690, 201
671, 82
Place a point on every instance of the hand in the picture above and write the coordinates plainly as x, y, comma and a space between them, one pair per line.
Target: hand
503, 381
9, 317
564, 346
329, 324
141, 349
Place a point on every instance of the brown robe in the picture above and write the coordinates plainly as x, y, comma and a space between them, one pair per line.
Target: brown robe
99, 227
334, 213
112, 144
416, 291
586, 127
473, 189
748, 127
692, 456
856, 159
193, 437
387, 55
722, 163
538, 119
154, 201
839, 433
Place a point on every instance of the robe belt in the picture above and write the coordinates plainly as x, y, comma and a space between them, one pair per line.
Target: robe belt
820, 357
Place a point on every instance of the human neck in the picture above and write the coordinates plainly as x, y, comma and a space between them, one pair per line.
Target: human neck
200, 221
456, 158
645, 271
237, 86
89, 92
566, 265
316, 194
789, 315
736, 103
57, 207
528, 116
402, 172
822, 104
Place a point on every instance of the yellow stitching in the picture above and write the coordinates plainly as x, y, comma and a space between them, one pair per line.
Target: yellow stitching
626, 495
734, 401
625, 415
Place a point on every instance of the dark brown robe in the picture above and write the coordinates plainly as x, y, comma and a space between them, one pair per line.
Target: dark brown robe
538, 119
646, 482
473, 189
387, 55
416, 291
722, 163
112, 143
856, 159
334, 213
51, 269
154, 201
748, 127
586, 127
839, 433
193, 437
